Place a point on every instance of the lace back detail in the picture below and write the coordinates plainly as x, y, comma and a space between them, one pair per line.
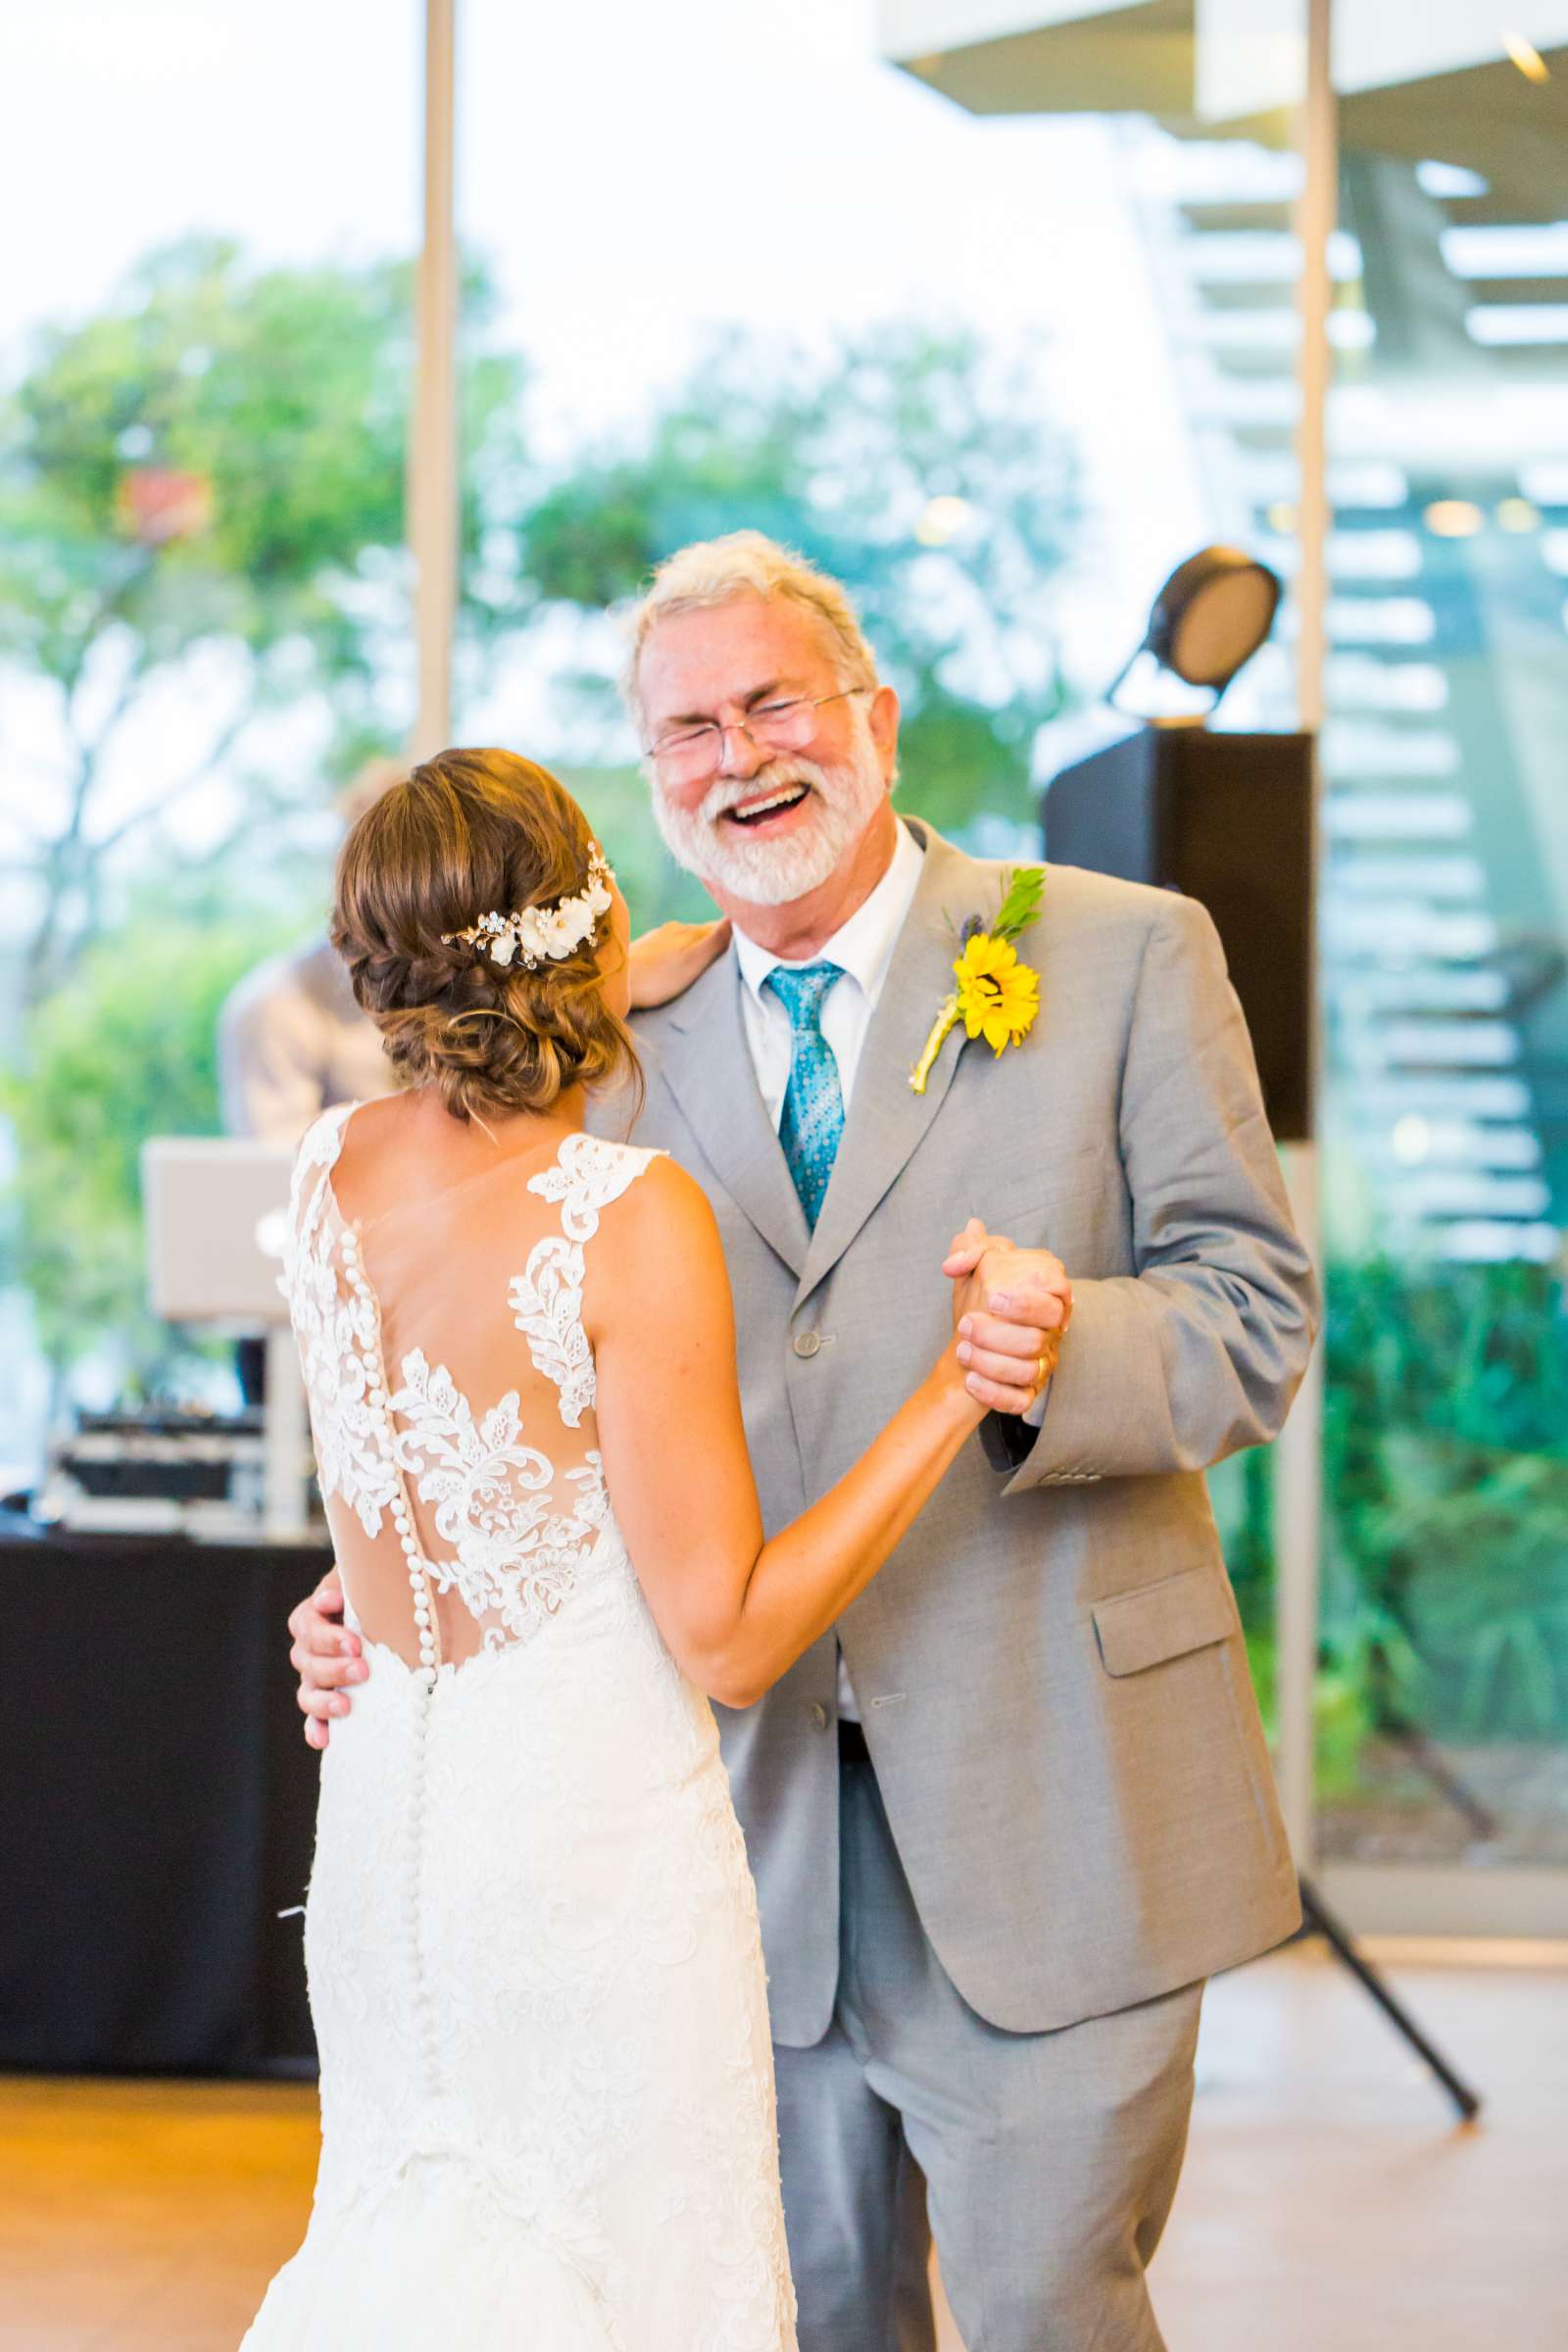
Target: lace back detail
338, 1338
507, 1523
547, 1296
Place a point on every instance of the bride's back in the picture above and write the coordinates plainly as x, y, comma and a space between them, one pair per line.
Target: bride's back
436, 1278
436, 1268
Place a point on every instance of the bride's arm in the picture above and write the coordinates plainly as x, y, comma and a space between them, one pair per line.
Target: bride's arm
736, 1612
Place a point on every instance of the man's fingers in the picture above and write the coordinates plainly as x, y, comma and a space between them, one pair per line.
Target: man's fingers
1006, 1370
320, 1638
998, 1337
325, 1671
312, 1702
316, 1735
1031, 1302
998, 1397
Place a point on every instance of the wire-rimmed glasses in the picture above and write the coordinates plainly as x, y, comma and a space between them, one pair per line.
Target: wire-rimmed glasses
687, 754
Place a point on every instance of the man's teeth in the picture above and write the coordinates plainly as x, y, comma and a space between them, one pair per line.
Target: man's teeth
782, 798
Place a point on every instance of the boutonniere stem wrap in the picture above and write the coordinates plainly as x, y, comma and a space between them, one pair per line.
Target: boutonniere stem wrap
997, 997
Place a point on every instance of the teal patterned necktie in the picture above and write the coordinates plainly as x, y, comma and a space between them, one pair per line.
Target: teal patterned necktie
812, 1119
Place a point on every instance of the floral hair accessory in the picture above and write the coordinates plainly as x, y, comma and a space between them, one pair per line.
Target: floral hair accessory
997, 997
543, 934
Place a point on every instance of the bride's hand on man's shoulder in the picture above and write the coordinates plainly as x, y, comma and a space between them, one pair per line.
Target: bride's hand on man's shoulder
664, 962
1007, 1325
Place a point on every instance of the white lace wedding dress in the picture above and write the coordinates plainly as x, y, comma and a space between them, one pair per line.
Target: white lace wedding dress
547, 2092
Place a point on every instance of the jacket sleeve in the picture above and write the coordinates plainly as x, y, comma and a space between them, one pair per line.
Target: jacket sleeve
1200, 1351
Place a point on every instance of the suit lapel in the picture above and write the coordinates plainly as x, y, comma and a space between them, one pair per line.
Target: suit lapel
887, 1118
709, 1068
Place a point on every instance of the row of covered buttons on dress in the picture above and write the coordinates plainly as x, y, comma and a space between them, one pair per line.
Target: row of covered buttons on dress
402, 1517
420, 1584
1070, 1477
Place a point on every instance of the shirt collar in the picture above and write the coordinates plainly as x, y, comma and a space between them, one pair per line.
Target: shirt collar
863, 945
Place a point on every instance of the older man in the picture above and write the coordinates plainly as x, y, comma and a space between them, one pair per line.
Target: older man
1008, 1816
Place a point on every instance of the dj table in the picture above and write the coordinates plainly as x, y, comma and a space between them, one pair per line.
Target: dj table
156, 1805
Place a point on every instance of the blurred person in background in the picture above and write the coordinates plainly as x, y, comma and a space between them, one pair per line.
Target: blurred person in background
291, 1040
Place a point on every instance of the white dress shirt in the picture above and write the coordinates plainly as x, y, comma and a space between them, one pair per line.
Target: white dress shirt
863, 947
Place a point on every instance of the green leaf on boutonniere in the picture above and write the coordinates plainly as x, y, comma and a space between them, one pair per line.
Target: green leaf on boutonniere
1022, 892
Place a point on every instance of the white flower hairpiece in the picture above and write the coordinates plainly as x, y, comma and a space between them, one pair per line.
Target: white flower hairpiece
543, 934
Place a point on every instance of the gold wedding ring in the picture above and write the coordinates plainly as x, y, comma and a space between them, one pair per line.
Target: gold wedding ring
1042, 1375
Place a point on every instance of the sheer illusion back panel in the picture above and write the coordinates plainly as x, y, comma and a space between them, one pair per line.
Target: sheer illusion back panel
452, 1395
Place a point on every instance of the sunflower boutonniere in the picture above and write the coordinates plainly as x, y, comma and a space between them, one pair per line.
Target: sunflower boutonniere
997, 997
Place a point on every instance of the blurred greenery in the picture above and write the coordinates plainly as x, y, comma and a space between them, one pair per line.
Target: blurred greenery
200, 489
1444, 1605
917, 465
124, 1050
201, 514
1445, 1439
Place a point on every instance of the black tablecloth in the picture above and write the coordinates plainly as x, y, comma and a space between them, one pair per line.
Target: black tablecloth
156, 1805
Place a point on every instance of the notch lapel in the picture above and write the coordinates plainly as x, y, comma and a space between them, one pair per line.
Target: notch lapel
708, 1066
887, 1118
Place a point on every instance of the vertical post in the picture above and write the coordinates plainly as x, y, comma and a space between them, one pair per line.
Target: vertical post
285, 1439
1299, 1457
432, 466
1317, 139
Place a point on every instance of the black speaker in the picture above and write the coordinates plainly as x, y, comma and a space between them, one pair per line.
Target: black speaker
1227, 819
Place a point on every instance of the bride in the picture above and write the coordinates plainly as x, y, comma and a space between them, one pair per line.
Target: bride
547, 2094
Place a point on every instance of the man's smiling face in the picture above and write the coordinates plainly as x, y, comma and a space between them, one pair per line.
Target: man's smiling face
759, 824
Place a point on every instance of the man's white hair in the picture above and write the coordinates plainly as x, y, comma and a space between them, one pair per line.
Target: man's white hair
716, 572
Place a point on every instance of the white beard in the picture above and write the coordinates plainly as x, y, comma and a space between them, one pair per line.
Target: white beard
770, 873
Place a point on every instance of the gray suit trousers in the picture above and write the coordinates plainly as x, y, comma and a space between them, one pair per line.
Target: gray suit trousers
1049, 2160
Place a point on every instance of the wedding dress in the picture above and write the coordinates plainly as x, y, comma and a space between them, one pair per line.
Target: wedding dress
546, 2090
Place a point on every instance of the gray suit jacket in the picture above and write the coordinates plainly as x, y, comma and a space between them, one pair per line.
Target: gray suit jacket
1051, 1671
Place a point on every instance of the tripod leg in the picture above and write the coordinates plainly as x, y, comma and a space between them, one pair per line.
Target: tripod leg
1447, 1784
1318, 1921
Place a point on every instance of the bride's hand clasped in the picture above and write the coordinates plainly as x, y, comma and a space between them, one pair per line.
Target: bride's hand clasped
1006, 1362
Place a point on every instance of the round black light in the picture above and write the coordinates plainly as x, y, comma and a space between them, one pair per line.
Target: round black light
1212, 615
1210, 618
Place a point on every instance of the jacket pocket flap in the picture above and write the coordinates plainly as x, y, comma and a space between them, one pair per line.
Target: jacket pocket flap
1162, 1621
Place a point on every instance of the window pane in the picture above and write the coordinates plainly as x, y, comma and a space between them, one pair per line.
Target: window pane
204, 331
778, 284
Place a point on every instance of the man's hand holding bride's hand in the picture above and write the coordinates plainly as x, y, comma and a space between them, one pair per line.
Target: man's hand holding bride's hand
326, 1657
664, 962
1008, 1316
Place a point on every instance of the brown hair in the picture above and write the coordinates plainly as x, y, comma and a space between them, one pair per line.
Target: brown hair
472, 833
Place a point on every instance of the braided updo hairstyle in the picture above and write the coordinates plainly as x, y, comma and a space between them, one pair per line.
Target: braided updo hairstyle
473, 832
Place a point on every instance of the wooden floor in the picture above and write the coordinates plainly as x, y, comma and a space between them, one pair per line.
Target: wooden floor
1329, 2204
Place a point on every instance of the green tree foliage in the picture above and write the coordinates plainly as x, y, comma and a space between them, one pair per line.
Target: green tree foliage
1446, 1484
213, 465
914, 465
1446, 1468
124, 1050
213, 469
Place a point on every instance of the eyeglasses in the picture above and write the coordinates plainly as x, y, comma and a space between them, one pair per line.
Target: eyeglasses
688, 752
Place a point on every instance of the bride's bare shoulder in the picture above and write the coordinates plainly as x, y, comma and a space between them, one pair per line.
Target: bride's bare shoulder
661, 1225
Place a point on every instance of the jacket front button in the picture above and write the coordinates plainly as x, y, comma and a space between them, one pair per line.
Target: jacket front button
819, 1715
806, 1343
